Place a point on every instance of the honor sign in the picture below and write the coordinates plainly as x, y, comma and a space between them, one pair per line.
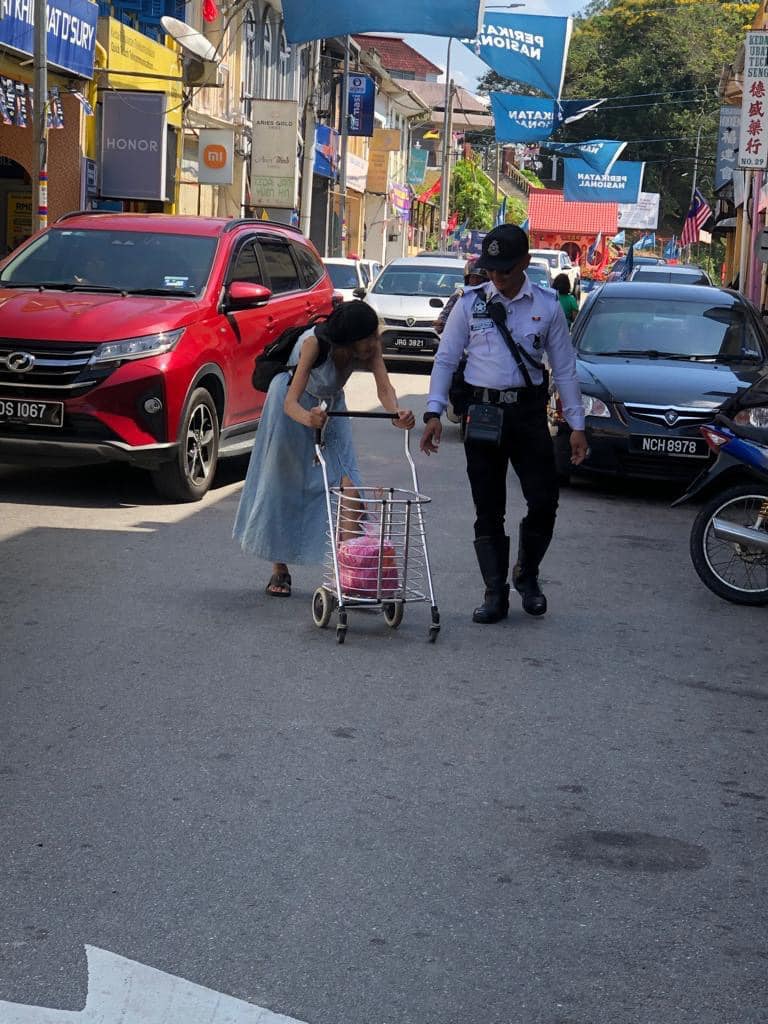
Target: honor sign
133, 145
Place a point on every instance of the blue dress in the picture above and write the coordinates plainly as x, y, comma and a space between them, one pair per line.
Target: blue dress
282, 514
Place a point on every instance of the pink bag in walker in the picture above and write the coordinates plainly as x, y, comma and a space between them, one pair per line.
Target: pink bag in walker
359, 567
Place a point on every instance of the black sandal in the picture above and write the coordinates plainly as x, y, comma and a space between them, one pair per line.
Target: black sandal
280, 579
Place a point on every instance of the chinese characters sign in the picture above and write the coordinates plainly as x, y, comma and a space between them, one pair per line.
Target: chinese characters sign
727, 145
753, 150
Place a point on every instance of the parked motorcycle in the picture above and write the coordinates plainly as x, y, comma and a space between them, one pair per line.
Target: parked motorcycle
729, 537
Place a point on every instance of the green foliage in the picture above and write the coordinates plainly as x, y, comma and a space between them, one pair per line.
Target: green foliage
673, 53
472, 195
517, 211
532, 176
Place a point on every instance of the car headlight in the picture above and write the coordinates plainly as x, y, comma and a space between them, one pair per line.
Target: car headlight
594, 406
757, 417
136, 348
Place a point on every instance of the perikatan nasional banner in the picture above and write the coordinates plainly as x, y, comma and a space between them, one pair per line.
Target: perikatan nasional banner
621, 185
529, 48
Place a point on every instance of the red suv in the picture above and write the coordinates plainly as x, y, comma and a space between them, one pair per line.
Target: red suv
133, 337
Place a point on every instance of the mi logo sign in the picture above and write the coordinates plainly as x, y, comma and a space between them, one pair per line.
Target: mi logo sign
215, 156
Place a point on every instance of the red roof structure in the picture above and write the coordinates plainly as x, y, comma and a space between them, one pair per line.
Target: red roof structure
397, 56
548, 212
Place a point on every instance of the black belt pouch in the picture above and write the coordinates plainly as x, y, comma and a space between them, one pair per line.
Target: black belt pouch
484, 423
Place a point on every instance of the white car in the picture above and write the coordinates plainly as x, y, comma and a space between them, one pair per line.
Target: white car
538, 271
408, 295
347, 276
560, 263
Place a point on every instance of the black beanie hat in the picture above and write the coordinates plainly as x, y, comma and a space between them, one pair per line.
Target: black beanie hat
351, 322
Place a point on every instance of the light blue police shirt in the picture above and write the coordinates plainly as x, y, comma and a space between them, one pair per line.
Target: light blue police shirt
536, 322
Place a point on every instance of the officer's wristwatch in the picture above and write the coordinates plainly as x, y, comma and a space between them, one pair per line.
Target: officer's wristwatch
431, 416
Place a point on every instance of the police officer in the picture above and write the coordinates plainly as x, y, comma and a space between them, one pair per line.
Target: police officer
513, 378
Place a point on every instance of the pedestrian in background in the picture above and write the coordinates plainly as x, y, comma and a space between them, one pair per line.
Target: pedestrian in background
473, 276
282, 513
506, 329
568, 302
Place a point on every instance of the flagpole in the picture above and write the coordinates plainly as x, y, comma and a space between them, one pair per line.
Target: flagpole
745, 234
344, 147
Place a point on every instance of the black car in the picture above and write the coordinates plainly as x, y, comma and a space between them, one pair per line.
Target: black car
677, 274
619, 267
655, 362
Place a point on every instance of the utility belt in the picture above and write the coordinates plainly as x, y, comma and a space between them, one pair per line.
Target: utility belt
511, 396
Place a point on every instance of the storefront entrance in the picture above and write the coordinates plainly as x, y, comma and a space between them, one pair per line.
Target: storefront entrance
15, 204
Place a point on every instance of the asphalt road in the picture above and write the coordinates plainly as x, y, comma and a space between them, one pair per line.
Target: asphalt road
556, 821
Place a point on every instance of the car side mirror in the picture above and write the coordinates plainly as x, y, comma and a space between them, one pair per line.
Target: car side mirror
360, 293
436, 303
246, 295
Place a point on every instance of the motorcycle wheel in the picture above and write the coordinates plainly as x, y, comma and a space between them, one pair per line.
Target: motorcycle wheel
733, 571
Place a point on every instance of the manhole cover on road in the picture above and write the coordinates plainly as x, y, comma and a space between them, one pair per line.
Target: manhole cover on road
635, 851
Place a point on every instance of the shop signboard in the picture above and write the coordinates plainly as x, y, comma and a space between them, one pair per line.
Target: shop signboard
133, 145
753, 137
727, 145
132, 59
18, 218
362, 96
216, 156
70, 35
274, 156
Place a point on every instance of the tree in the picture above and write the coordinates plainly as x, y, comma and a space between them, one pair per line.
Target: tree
659, 64
472, 195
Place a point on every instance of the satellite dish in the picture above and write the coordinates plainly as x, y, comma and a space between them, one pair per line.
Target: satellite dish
189, 39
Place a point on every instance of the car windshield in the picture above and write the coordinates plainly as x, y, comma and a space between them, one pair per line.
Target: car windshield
551, 258
658, 327
130, 261
538, 275
405, 280
343, 276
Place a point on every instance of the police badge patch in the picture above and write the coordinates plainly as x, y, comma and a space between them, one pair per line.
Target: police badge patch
493, 248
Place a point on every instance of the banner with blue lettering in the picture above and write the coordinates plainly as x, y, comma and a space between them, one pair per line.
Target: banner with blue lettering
71, 35
530, 48
600, 154
622, 184
306, 21
362, 97
533, 119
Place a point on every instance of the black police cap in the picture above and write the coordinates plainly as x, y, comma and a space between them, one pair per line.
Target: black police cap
503, 247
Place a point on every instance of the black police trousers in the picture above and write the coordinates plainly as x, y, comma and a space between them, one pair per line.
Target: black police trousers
527, 445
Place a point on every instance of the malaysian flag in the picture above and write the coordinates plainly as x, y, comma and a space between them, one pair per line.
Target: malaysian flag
698, 214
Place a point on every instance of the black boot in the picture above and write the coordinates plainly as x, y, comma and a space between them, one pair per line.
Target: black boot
525, 575
493, 559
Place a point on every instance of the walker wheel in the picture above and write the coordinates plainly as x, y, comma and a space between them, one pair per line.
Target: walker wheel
322, 607
341, 633
393, 613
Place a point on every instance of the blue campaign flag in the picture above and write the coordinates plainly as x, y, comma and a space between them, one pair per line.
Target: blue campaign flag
648, 241
523, 118
599, 154
529, 48
306, 21
362, 97
620, 238
671, 249
326, 151
71, 34
417, 166
621, 185
501, 213
533, 119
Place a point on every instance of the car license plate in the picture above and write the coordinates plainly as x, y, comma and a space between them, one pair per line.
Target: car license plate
31, 413
678, 447
410, 343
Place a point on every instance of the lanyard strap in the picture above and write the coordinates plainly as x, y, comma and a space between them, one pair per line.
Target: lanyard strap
498, 314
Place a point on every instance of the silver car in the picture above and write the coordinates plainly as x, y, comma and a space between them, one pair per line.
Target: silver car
408, 296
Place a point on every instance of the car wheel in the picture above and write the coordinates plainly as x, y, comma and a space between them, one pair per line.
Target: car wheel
189, 476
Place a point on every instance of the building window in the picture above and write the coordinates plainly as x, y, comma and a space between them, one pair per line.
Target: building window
250, 60
268, 57
286, 68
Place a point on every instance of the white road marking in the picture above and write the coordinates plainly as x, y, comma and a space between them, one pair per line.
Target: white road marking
121, 991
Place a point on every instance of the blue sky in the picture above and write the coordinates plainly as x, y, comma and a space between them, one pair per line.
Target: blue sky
465, 67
